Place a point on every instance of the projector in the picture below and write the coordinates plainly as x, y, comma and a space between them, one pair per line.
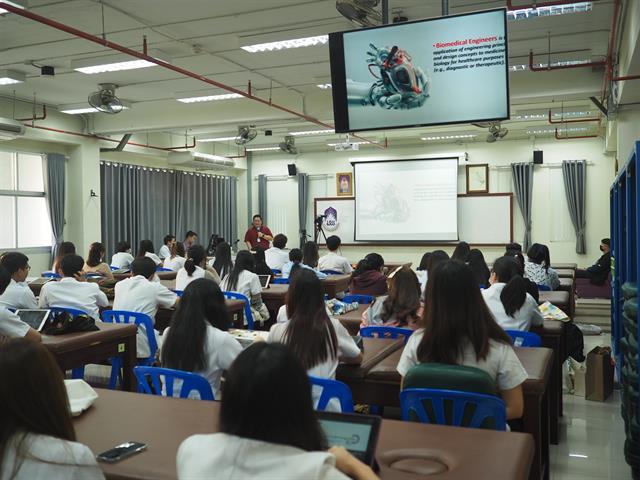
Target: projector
341, 147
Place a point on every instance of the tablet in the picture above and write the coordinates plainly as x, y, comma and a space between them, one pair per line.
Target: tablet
356, 433
264, 280
35, 318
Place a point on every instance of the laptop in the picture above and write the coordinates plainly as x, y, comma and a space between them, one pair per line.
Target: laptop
35, 318
357, 433
264, 280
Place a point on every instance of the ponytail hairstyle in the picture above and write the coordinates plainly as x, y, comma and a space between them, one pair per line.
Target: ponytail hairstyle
96, 253
361, 267
177, 250
547, 257
195, 258
514, 292
146, 246
244, 261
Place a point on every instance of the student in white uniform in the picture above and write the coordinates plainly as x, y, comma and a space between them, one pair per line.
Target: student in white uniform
537, 268
38, 438
333, 261
507, 298
277, 256
165, 249
73, 290
176, 260
95, 261
122, 258
242, 280
17, 294
222, 262
146, 250
317, 340
10, 324
139, 293
458, 329
268, 429
195, 267
197, 340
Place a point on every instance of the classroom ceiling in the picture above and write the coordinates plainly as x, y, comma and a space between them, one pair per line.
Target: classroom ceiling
205, 37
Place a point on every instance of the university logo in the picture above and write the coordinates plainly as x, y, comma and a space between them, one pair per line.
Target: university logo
330, 222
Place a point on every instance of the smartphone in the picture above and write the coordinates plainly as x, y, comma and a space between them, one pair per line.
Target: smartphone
120, 452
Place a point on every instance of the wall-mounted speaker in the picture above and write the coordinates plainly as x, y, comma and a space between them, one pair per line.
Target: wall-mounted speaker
537, 157
293, 170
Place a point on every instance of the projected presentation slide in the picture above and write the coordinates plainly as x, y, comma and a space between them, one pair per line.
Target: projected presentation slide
406, 200
446, 70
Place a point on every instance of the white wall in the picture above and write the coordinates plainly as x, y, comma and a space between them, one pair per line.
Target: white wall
550, 217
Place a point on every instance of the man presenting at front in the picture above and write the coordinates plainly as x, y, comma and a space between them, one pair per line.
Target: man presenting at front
258, 235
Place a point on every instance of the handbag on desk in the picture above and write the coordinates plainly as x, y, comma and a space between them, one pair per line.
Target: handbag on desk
60, 323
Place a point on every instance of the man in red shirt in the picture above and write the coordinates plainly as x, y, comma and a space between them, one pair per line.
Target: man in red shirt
258, 234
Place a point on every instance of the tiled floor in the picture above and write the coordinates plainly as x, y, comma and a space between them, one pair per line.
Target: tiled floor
591, 436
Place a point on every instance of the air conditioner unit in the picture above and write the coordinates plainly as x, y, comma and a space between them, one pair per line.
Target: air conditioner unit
200, 160
10, 129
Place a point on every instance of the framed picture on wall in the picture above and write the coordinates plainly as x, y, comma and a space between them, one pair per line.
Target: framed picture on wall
478, 178
344, 184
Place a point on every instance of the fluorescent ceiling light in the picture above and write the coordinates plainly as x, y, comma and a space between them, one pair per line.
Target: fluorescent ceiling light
208, 156
448, 137
578, 455
561, 63
220, 139
350, 143
525, 13
263, 149
329, 131
284, 44
9, 77
14, 4
115, 63
553, 130
210, 98
79, 109
324, 86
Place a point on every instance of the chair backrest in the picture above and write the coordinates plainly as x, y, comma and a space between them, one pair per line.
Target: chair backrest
450, 377
280, 281
361, 299
451, 407
125, 316
332, 272
74, 312
275, 271
333, 389
247, 306
150, 381
162, 269
524, 339
51, 275
113, 267
543, 288
386, 332
179, 293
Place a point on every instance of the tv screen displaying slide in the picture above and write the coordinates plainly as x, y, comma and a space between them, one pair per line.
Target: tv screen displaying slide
406, 200
431, 72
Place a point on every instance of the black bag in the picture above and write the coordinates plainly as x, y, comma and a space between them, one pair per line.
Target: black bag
60, 323
575, 342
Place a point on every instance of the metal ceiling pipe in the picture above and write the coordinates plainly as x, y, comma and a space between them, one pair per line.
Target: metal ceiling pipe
533, 68
510, 5
625, 77
580, 120
445, 8
35, 117
115, 46
610, 48
120, 146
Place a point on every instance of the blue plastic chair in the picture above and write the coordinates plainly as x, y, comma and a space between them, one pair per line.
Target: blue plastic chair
275, 271
333, 389
524, 339
112, 267
76, 373
124, 316
190, 382
247, 306
385, 332
179, 293
451, 407
543, 288
51, 275
361, 299
332, 272
162, 269
280, 281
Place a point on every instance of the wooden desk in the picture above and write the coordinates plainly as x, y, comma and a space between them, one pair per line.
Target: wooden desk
351, 320
559, 298
373, 352
235, 308
78, 349
569, 285
274, 297
335, 284
392, 266
381, 386
163, 423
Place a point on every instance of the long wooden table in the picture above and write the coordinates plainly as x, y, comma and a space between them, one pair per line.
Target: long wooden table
75, 350
163, 423
381, 386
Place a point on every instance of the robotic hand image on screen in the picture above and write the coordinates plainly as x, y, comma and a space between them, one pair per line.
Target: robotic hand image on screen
398, 85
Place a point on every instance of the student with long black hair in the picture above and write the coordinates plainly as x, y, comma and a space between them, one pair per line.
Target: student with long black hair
177, 257
538, 269
457, 328
95, 261
368, 277
507, 298
317, 340
242, 279
37, 438
532, 288
260, 263
65, 248
429, 262
268, 429
478, 266
122, 258
223, 262
195, 267
197, 340
146, 250
310, 258
461, 252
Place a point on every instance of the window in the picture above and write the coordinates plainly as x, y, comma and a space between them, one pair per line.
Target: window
24, 220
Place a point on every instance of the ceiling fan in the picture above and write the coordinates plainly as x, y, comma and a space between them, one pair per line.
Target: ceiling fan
105, 100
360, 12
246, 133
289, 145
496, 132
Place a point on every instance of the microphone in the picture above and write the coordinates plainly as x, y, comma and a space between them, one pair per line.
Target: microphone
258, 228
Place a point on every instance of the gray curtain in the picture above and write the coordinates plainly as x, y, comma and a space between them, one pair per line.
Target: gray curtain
303, 200
522, 174
262, 197
54, 187
574, 174
142, 203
